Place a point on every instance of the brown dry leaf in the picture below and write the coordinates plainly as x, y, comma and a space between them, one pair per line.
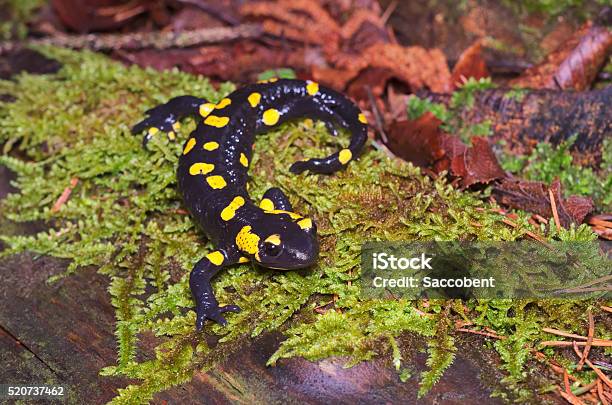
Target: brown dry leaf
471, 63
94, 15
416, 66
416, 140
422, 142
374, 79
533, 196
477, 164
302, 21
574, 65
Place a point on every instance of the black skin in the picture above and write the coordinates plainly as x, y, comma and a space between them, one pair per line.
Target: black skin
282, 240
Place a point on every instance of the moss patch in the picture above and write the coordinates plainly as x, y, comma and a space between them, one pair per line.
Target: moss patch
124, 217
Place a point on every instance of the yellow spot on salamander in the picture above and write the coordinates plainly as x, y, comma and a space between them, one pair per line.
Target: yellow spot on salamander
243, 259
254, 99
223, 103
312, 88
344, 156
216, 182
266, 204
153, 131
243, 160
305, 223
247, 241
176, 126
274, 239
206, 109
210, 146
362, 118
189, 145
201, 168
271, 116
216, 258
215, 121
230, 211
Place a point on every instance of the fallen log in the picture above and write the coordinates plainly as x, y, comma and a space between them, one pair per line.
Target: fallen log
524, 118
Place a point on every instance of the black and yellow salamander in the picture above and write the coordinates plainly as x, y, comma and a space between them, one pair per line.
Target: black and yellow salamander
212, 176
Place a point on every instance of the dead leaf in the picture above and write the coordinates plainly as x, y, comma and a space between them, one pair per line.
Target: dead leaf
533, 196
477, 164
574, 65
422, 142
471, 63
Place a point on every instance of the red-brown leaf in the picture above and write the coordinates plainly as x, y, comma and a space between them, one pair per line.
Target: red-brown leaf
471, 63
574, 65
534, 197
422, 142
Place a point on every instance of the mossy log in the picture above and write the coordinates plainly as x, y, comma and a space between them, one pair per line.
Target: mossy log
525, 117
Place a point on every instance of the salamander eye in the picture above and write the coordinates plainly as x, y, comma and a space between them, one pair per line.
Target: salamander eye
272, 250
272, 245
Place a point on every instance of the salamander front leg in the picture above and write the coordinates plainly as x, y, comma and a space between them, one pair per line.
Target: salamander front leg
207, 306
275, 199
166, 117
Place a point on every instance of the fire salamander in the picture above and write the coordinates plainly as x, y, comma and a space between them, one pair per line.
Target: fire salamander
212, 176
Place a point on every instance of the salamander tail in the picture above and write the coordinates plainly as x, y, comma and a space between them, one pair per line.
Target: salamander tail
338, 160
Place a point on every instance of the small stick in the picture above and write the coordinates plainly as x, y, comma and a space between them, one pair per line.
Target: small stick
377, 115
600, 393
565, 334
566, 383
65, 195
141, 40
388, 12
478, 332
571, 398
605, 308
587, 348
599, 373
529, 233
557, 343
553, 206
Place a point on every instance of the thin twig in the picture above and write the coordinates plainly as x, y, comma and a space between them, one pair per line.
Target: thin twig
141, 40
587, 348
557, 343
600, 393
65, 195
599, 373
571, 398
478, 332
553, 206
377, 116
388, 12
569, 335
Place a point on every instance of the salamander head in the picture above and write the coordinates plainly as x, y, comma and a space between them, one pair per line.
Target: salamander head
283, 242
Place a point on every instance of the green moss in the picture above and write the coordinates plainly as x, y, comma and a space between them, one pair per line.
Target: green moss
283, 73
545, 163
124, 217
17, 13
450, 116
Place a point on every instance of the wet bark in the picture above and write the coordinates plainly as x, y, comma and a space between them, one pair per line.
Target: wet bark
543, 115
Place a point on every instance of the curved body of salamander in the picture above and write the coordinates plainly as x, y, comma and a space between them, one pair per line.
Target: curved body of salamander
212, 176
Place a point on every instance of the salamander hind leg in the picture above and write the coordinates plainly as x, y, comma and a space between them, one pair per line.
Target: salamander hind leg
207, 306
275, 199
166, 117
